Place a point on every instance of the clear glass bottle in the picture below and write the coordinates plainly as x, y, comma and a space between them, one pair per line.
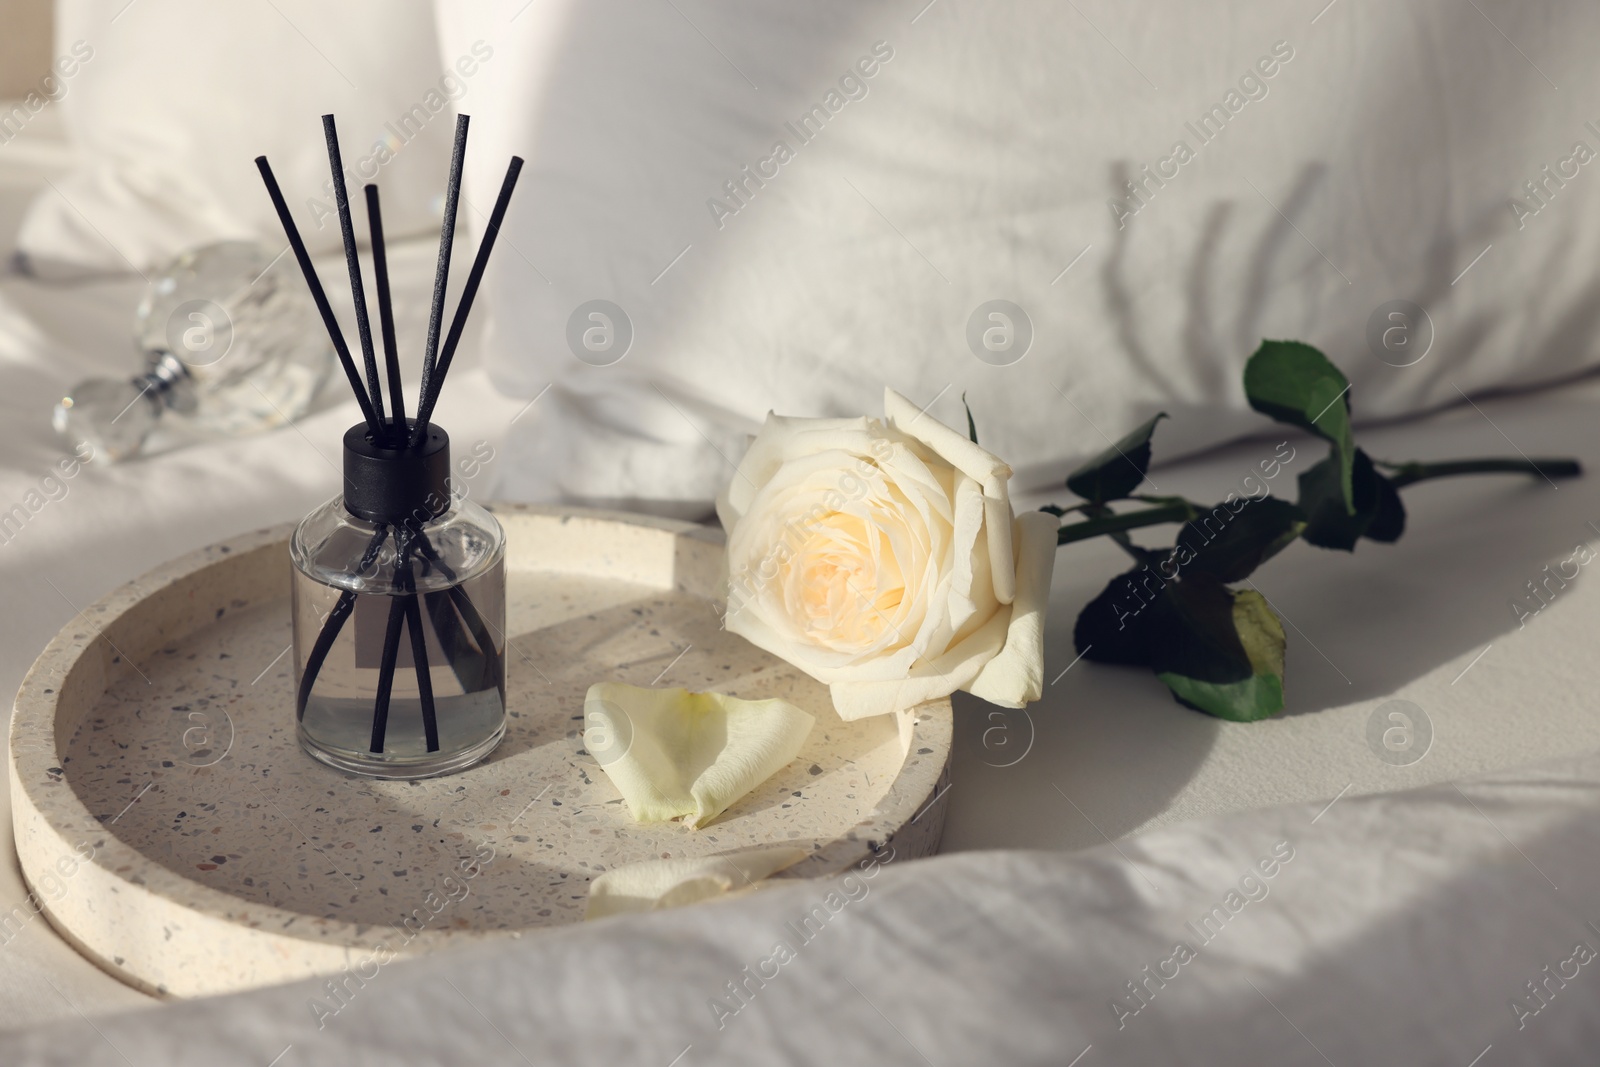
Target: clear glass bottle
231, 345
399, 618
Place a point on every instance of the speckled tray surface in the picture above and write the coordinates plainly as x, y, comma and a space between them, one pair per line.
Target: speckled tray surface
155, 736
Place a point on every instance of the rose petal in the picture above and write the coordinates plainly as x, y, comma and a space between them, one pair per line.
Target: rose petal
783, 438
656, 884
927, 680
674, 753
964, 597
987, 469
1015, 676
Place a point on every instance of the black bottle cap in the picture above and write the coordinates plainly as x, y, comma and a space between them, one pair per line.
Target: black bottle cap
396, 485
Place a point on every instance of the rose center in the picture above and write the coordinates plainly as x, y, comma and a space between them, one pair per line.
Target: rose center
835, 587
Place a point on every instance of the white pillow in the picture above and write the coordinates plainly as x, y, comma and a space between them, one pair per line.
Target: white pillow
170, 101
1363, 155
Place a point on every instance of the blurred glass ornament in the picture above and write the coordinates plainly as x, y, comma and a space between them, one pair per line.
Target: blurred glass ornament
232, 345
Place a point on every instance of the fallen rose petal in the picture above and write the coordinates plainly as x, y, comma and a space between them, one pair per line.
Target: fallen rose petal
673, 753
656, 884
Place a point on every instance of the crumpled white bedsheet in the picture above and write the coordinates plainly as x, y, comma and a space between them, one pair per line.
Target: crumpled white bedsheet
1399, 932
1393, 929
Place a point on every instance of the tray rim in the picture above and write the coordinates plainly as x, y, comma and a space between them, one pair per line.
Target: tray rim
326, 946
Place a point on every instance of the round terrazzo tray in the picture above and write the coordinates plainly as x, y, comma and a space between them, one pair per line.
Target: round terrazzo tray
170, 826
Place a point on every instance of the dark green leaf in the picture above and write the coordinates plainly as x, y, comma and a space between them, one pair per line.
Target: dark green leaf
1379, 514
972, 427
1218, 650
1221, 651
1120, 624
1230, 541
1115, 473
1294, 383
1389, 522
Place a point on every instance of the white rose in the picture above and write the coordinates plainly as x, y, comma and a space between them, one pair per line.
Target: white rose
882, 557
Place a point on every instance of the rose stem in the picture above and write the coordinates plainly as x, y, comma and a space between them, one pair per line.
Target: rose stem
1080, 531
1409, 473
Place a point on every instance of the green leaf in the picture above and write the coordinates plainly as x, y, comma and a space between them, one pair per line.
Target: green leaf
1116, 626
1222, 652
972, 427
1389, 521
1218, 650
1115, 473
1294, 383
1230, 541
1378, 515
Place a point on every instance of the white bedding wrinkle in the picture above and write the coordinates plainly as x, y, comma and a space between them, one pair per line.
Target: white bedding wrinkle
831, 900
1253, 85
1553, 978
51, 87
1004, 956
51, 488
1152, 210
441, 98
738, 191
163, 167
1008, 954
1252, 888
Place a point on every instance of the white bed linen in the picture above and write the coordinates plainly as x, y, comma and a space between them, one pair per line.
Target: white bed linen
1399, 930
170, 105
1379, 153
1403, 923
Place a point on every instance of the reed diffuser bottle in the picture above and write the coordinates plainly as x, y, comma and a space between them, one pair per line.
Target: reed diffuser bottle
399, 587
395, 554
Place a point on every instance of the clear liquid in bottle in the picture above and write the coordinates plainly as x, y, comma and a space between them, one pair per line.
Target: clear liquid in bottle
436, 595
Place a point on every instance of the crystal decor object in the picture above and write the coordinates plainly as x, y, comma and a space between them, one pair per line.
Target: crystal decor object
231, 345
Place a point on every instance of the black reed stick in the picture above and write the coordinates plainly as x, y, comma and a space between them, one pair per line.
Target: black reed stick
466, 611
320, 648
453, 610
462, 632
431, 384
333, 624
478, 629
391, 652
419, 657
419, 644
441, 276
391, 354
405, 609
352, 258
320, 298
457, 652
